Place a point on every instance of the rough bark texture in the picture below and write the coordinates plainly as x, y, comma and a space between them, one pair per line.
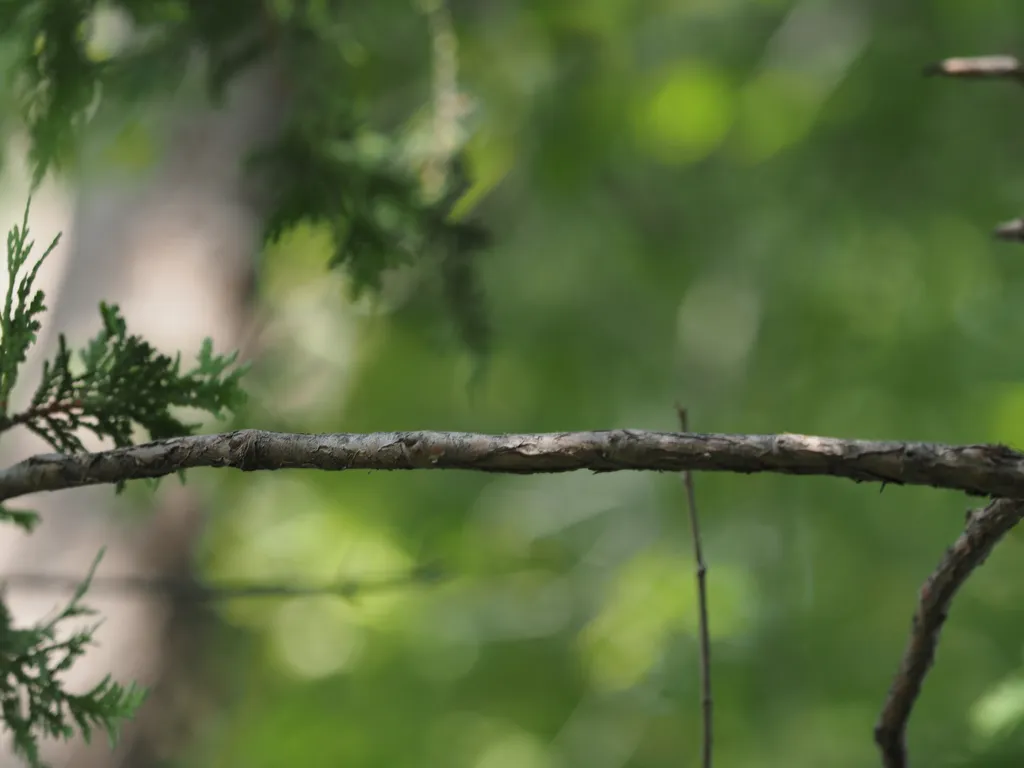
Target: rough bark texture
984, 470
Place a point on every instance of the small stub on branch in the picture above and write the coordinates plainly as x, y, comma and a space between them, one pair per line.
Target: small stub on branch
1010, 230
995, 67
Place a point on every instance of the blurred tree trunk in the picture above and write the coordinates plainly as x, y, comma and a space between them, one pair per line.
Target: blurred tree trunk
176, 250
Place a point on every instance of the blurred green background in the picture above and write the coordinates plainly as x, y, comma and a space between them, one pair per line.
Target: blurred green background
757, 208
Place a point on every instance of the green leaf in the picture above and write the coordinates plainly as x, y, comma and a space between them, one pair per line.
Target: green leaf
24, 519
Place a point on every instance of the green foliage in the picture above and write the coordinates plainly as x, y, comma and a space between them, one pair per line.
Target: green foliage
784, 229
126, 383
319, 170
19, 324
34, 702
55, 80
379, 217
123, 382
25, 519
461, 242
116, 384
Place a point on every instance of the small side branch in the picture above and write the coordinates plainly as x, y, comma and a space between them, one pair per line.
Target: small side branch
984, 529
985, 470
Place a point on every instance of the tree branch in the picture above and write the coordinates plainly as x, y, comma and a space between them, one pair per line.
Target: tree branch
996, 67
1010, 230
984, 529
985, 470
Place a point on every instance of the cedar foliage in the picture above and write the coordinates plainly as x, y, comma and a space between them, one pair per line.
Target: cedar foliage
319, 171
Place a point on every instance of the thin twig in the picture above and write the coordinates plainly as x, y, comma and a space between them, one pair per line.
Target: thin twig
985, 470
1010, 230
984, 529
201, 592
996, 67
978, 67
702, 603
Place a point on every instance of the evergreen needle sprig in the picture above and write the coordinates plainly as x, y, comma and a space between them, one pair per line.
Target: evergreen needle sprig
19, 324
33, 701
114, 386
123, 383
116, 383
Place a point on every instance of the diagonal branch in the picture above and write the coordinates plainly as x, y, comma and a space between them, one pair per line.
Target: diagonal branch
983, 531
987, 470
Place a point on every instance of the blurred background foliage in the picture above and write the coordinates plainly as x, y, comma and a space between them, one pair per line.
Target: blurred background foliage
757, 208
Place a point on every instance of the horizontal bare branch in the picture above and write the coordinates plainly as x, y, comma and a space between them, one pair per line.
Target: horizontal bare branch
986, 470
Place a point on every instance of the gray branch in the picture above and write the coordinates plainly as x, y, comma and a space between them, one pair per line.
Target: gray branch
985, 470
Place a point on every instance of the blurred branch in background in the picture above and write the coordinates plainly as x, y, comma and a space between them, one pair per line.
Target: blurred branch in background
197, 591
994, 67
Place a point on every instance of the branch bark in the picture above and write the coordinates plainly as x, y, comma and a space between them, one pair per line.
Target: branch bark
983, 531
984, 470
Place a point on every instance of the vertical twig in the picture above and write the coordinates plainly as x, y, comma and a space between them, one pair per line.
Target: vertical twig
702, 603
